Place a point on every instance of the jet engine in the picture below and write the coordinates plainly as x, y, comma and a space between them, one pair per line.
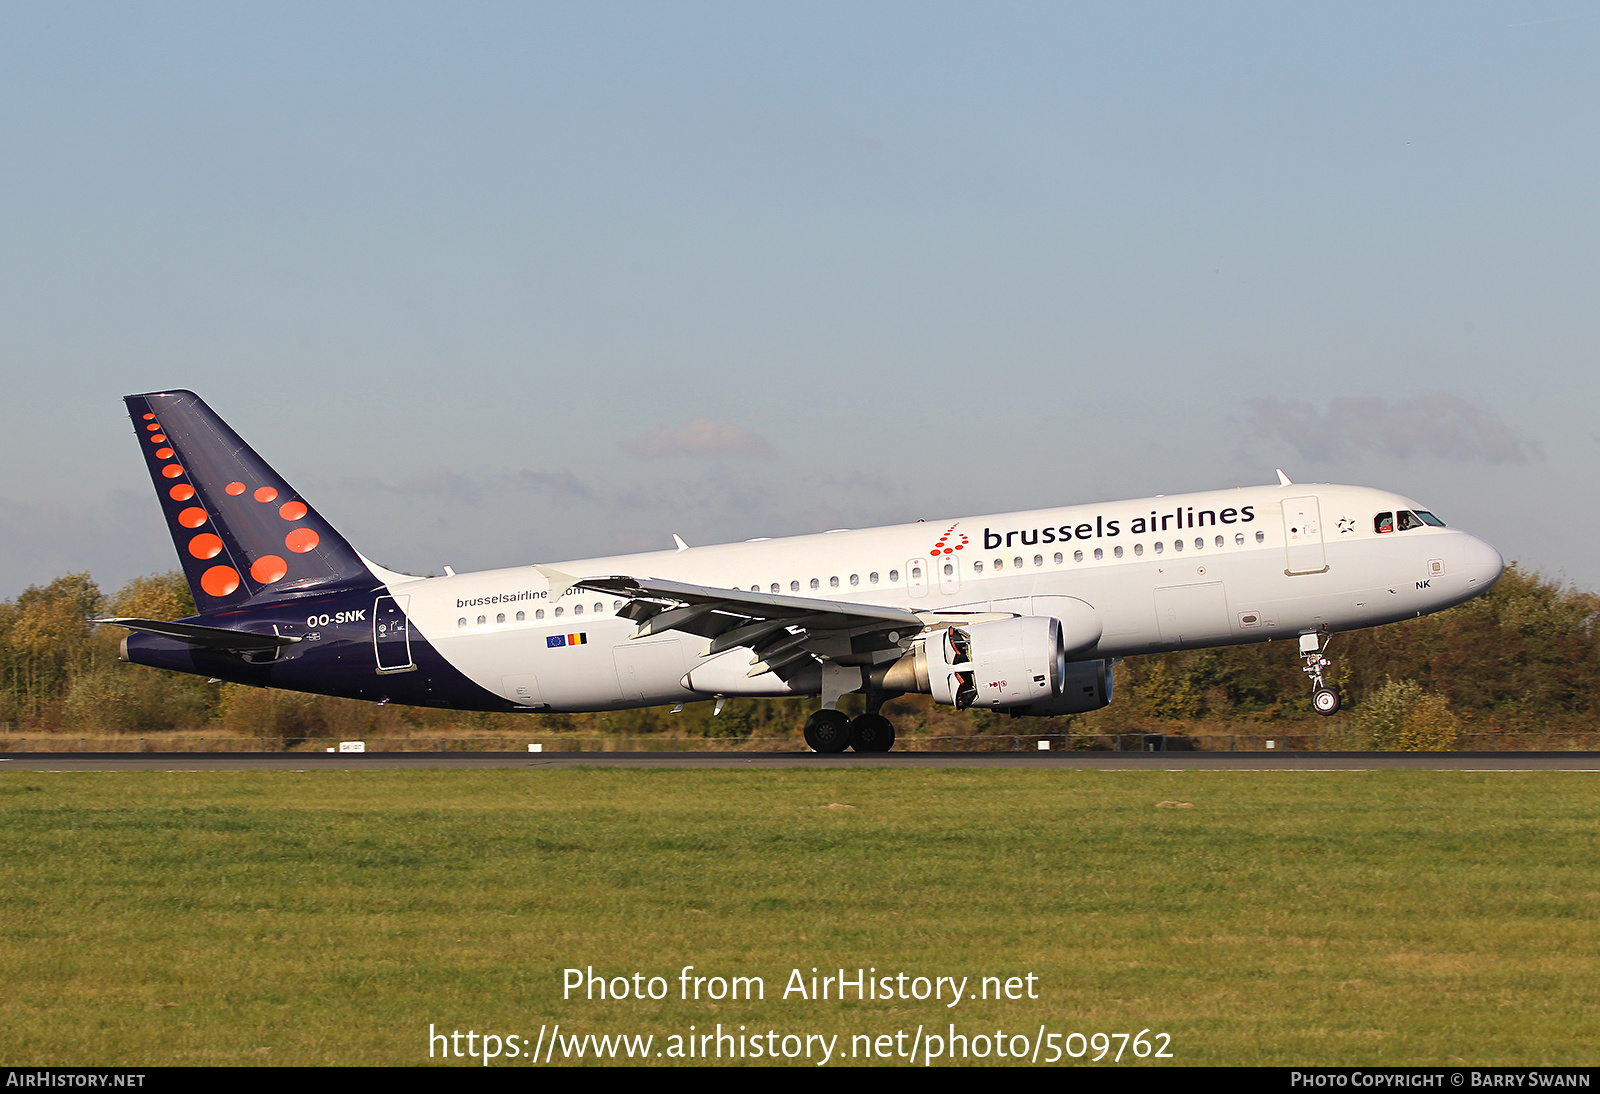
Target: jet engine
1010, 663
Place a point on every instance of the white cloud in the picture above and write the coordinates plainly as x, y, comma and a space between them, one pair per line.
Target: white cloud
1441, 425
699, 437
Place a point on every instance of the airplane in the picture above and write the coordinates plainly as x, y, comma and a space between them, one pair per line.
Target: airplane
1022, 612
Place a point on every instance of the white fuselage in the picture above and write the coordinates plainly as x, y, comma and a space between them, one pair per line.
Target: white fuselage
1162, 573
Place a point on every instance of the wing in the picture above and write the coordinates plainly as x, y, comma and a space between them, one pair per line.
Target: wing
786, 632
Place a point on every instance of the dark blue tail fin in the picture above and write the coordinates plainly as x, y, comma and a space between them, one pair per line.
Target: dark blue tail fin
241, 532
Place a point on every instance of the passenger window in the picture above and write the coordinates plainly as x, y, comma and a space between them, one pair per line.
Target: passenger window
977, 567
1058, 558
1261, 537
949, 569
855, 579
482, 620
1221, 542
1159, 547
1038, 560
815, 584
559, 611
894, 575
1138, 548
833, 583
999, 564
601, 607
873, 577
774, 586
1017, 563
522, 617
1383, 522
916, 573
794, 586
1077, 556
462, 622
1099, 554
577, 609
538, 613
1177, 545
1117, 551
1238, 539
501, 618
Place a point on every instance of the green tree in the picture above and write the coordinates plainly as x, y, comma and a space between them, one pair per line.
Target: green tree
46, 640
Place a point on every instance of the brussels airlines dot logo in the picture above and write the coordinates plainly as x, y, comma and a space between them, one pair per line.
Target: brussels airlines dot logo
222, 580
945, 547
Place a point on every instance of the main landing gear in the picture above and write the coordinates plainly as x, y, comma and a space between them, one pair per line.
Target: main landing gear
1324, 700
831, 730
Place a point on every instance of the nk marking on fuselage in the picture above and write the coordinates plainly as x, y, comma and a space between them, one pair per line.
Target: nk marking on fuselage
1023, 612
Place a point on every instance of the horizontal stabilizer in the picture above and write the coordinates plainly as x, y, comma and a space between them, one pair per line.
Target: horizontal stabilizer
213, 638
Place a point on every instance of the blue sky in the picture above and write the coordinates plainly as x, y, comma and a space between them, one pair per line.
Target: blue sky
494, 284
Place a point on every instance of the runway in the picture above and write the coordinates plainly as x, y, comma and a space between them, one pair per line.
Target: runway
1085, 761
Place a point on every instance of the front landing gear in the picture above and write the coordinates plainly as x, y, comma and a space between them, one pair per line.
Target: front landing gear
1324, 700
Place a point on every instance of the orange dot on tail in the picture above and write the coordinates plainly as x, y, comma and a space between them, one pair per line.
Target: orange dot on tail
205, 545
158, 438
292, 510
192, 517
172, 471
235, 488
163, 453
265, 494
182, 492
268, 568
220, 580
149, 417
153, 427
301, 540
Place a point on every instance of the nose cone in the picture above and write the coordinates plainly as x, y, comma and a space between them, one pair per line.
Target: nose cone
1482, 565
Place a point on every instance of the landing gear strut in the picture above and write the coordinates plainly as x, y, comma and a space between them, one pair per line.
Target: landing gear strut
1324, 700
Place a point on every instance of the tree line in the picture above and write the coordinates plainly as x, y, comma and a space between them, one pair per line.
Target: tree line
1522, 659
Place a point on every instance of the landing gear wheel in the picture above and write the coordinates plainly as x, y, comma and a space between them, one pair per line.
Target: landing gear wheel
828, 731
872, 733
1324, 700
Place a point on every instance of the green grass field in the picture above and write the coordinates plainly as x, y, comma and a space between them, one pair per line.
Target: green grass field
329, 918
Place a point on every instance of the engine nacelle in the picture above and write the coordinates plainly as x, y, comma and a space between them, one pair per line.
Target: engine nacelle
1009, 662
1087, 687
1019, 664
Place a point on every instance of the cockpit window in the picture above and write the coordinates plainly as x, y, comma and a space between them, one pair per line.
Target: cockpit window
1409, 521
1387, 522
